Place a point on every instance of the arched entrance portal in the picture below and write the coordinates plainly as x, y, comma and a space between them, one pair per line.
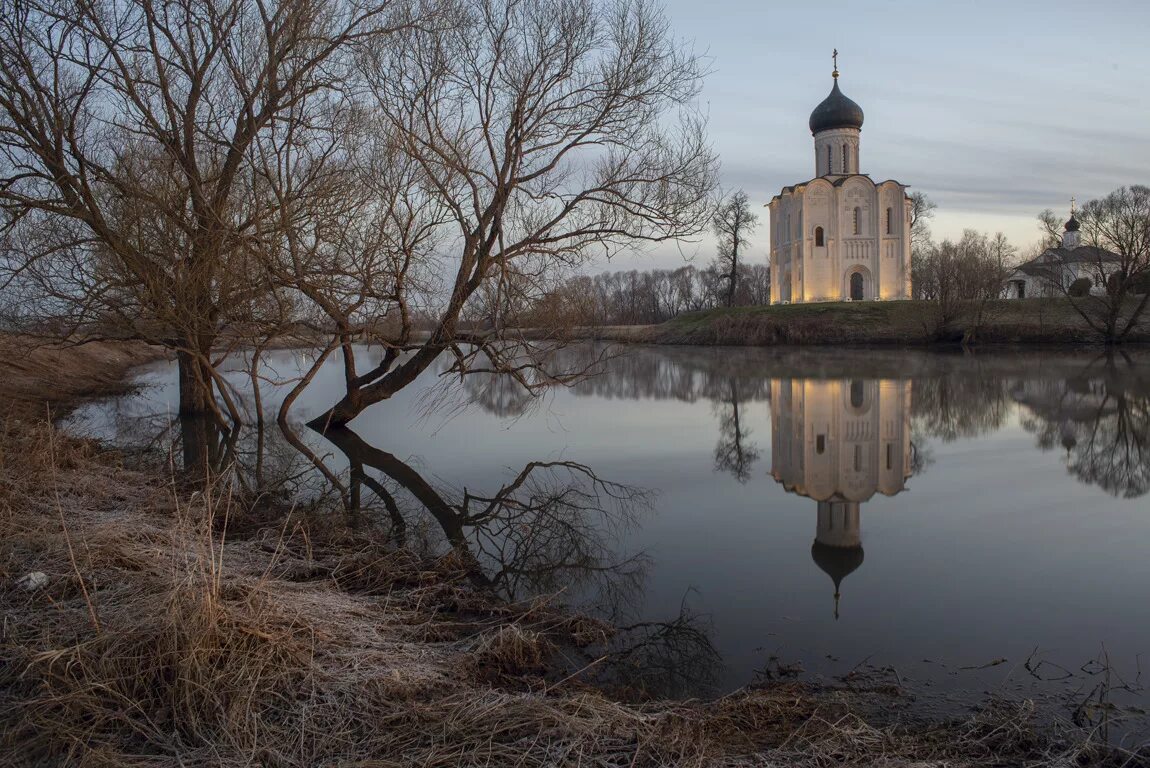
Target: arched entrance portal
856, 286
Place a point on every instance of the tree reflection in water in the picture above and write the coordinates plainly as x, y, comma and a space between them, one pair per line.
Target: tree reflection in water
1096, 409
734, 453
543, 531
1100, 417
550, 530
966, 403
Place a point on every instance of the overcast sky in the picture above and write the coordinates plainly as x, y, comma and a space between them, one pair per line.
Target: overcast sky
996, 110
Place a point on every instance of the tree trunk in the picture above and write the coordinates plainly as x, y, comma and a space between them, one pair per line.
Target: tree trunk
196, 389
200, 446
1112, 311
734, 275
359, 398
339, 414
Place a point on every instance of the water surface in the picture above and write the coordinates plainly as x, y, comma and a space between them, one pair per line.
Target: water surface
958, 524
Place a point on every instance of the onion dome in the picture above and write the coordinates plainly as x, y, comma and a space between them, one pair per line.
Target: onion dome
836, 562
836, 111
1072, 225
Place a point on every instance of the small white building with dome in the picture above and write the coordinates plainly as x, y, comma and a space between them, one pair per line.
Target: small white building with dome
841, 235
1054, 270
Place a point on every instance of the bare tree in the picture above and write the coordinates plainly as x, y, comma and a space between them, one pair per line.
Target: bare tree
128, 138
1051, 228
551, 132
924, 279
1002, 252
733, 222
962, 276
1116, 238
922, 210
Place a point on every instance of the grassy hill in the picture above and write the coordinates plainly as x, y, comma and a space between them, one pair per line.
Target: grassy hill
908, 323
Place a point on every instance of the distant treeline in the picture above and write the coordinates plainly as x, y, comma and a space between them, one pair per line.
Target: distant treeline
653, 296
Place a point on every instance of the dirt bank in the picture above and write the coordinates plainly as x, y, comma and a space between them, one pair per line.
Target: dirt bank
211, 627
38, 376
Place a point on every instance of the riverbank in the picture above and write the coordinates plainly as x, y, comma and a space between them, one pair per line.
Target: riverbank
886, 323
181, 625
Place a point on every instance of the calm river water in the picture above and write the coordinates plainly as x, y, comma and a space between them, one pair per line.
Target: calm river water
961, 525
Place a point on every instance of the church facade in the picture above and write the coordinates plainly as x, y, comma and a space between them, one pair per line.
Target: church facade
840, 236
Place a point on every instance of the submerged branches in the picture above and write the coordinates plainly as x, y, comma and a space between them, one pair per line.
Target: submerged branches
552, 523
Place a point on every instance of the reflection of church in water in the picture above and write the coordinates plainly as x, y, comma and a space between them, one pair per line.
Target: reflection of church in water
838, 442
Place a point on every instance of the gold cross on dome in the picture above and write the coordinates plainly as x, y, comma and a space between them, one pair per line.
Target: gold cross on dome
1073, 204
835, 58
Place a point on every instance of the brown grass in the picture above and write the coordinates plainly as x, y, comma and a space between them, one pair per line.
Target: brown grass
899, 323
41, 376
162, 639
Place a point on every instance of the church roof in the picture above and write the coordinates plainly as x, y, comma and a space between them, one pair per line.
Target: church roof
836, 180
836, 111
1053, 257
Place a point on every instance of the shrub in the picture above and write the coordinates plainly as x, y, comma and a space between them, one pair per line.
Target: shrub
1081, 287
1141, 283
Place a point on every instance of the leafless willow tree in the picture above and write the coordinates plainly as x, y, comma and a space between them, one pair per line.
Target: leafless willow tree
546, 132
353, 247
733, 223
135, 136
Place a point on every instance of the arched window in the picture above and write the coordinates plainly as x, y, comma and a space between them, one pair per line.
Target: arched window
858, 388
819, 237
788, 233
829, 169
858, 221
821, 444
845, 167
889, 221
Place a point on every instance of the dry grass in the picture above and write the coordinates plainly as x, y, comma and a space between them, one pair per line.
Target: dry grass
40, 377
163, 639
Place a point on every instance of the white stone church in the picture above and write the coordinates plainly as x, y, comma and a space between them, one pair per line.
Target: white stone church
839, 236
